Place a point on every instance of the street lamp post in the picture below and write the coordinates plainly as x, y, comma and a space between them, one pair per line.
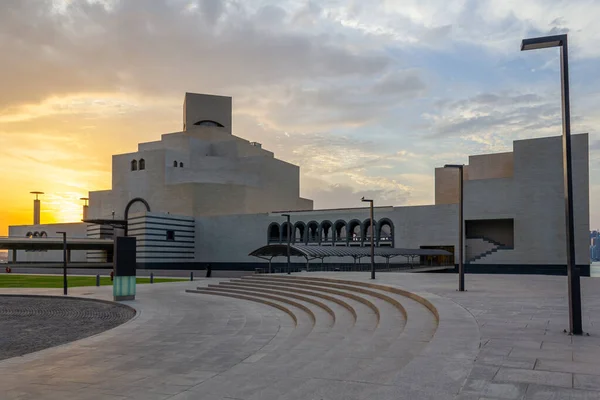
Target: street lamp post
372, 238
575, 325
289, 233
64, 236
461, 225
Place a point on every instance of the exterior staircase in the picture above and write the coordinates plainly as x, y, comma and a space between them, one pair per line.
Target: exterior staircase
480, 247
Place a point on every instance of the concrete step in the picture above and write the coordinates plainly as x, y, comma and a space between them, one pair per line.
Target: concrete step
374, 331
303, 317
421, 321
351, 330
324, 296
395, 314
278, 293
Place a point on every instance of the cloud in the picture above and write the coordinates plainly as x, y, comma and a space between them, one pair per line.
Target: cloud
162, 47
345, 196
494, 120
366, 97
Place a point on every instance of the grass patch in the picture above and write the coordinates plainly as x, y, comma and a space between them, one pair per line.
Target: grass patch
56, 281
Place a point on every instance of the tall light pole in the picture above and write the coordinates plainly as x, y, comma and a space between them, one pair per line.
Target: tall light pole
372, 239
461, 225
289, 233
575, 326
64, 236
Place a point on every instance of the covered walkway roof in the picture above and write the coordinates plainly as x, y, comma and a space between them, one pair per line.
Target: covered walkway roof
54, 243
311, 252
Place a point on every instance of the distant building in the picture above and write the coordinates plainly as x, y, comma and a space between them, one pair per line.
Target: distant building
595, 246
203, 195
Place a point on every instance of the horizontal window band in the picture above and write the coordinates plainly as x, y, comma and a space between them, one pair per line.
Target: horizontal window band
162, 235
161, 226
162, 229
164, 244
164, 252
164, 258
152, 228
169, 248
183, 242
192, 220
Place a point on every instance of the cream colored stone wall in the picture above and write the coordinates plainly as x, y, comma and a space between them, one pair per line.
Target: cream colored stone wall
198, 107
221, 173
74, 230
480, 167
490, 166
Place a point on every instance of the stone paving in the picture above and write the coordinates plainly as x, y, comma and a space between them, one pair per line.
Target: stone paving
502, 339
29, 324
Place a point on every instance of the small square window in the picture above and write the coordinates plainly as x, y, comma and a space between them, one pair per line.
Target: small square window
171, 235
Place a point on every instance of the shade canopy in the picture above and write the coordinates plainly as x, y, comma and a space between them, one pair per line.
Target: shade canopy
309, 252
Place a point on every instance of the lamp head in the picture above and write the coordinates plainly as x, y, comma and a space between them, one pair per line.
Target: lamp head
543, 42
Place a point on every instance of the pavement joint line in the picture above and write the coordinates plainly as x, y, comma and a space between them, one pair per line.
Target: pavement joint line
490, 317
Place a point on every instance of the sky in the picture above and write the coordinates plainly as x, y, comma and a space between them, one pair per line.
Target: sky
368, 97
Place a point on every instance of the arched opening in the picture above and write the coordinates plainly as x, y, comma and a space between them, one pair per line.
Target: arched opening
274, 233
313, 232
340, 233
175, 163
299, 231
36, 234
385, 232
326, 232
367, 230
180, 165
208, 122
285, 229
29, 234
354, 232
142, 164
131, 203
134, 165
43, 234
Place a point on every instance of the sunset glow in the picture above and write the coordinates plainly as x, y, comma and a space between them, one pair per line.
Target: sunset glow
366, 106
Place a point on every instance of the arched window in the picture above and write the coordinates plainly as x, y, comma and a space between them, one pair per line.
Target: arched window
142, 164
313, 232
354, 231
325, 231
180, 165
274, 233
175, 163
134, 165
208, 122
339, 231
299, 229
284, 232
385, 232
368, 230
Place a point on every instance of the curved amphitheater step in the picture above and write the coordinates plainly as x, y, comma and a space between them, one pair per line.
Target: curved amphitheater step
344, 331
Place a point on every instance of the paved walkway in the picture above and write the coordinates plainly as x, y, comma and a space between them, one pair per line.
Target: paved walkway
503, 339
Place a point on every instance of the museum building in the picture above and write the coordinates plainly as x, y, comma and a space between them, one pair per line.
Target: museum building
203, 195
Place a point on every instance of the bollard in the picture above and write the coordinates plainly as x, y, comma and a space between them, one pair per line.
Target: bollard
191, 275
151, 277
97, 279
